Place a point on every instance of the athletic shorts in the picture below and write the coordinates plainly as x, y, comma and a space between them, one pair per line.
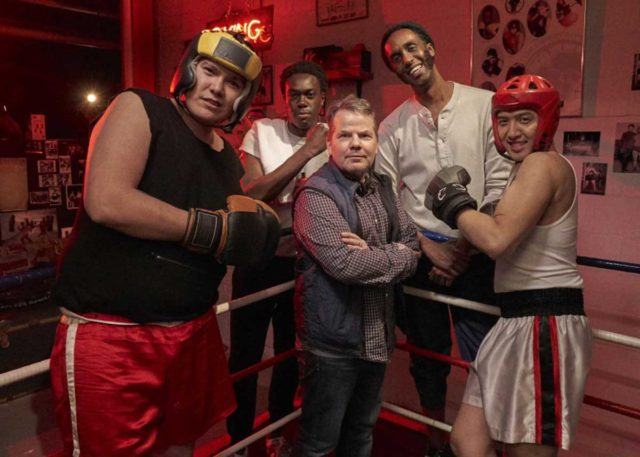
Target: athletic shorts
529, 377
123, 389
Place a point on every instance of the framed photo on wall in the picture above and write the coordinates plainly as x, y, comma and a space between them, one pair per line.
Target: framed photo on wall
265, 91
333, 11
635, 78
74, 196
626, 154
542, 37
594, 178
581, 143
14, 187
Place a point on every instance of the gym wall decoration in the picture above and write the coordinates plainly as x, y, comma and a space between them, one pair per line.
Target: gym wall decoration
543, 37
333, 11
264, 96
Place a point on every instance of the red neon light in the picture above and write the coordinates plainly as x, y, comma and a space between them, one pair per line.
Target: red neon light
256, 26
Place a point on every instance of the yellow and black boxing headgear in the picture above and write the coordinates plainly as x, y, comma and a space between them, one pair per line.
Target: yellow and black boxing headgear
226, 50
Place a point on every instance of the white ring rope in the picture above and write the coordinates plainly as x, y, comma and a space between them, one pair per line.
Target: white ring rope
41, 367
285, 420
25, 372
455, 301
417, 417
259, 434
604, 335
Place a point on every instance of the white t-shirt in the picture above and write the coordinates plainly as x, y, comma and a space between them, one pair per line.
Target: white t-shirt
411, 150
271, 142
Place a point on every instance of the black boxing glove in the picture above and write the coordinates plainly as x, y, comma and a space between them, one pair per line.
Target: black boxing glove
447, 194
246, 233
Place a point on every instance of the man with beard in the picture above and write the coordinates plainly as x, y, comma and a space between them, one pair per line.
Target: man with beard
276, 153
443, 124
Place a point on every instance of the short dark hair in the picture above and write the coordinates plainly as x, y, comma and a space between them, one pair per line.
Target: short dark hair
414, 27
306, 67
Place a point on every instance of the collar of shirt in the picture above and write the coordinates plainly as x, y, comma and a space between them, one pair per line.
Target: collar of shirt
445, 113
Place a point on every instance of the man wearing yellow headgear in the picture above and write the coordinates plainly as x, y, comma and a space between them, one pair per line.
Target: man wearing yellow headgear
138, 366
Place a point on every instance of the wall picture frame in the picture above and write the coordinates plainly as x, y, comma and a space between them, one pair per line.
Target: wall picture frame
264, 96
334, 11
541, 37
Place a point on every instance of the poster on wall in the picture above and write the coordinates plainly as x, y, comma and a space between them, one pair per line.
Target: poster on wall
334, 11
39, 197
626, 153
264, 96
51, 149
28, 239
581, 143
635, 77
594, 178
13, 184
543, 37
74, 196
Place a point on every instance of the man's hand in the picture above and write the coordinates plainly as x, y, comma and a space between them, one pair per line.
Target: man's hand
463, 250
317, 139
463, 245
246, 233
353, 241
447, 195
447, 257
439, 277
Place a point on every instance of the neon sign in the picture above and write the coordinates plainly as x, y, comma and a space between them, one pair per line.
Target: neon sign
256, 26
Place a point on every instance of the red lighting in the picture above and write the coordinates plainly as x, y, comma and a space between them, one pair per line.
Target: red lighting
256, 26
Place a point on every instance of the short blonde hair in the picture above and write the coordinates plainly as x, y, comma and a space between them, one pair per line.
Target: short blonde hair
349, 103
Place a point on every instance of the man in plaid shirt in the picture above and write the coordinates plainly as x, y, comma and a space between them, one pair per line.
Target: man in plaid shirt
355, 245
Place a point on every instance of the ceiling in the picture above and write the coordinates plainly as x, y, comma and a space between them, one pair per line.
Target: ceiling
52, 52
69, 22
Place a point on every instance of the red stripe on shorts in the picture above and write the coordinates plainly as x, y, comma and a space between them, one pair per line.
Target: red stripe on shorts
536, 376
556, 378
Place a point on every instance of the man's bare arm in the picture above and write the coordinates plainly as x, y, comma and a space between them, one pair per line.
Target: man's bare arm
521, 207
118, 153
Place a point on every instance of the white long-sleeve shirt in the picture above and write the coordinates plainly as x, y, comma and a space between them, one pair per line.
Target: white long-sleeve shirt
411, 150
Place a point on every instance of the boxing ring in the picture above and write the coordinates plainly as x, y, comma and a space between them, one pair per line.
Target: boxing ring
221, 449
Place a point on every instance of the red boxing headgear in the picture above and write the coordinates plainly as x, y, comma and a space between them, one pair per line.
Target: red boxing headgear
528, 92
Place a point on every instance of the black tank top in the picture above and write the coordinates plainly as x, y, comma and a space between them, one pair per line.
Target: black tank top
103, 270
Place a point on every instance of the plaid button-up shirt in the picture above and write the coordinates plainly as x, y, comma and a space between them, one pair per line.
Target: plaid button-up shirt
318, 224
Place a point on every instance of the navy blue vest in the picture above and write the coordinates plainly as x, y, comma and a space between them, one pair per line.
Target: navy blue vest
328, 312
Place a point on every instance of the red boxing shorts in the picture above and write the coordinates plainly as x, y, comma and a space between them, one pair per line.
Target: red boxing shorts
123, 389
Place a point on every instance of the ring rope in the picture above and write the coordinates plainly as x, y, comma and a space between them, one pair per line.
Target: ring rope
417, 416
18, 279
43, 366
263, 365
259, 434
604, 335
608, 264
588, 399
618, 338
294, 415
